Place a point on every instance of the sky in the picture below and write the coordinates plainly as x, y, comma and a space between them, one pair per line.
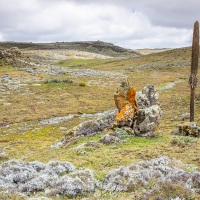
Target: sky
132, 24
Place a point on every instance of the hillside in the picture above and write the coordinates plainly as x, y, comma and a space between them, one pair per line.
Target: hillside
99, 47
49, 91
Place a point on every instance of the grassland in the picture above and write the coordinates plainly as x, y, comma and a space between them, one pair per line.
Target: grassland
22, 136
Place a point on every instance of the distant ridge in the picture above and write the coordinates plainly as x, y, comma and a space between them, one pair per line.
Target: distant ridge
99, 47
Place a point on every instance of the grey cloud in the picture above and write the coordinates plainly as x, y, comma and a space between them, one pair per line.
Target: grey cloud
176, 13
129, 23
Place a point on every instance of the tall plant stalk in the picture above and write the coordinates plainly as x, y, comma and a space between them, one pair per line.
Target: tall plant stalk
194, 68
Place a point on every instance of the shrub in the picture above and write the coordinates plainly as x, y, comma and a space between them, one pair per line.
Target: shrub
182, 141
58, 81
82, 84
52, 81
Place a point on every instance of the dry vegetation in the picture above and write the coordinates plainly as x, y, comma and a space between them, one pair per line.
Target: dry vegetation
22, 136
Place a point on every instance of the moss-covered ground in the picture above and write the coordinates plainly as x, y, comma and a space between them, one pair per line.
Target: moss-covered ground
22, 136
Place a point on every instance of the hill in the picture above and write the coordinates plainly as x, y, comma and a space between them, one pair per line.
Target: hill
98, 47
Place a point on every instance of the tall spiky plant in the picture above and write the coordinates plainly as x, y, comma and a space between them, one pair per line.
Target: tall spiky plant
194, 68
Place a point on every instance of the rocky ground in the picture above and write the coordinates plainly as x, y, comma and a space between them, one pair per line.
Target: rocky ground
45, 96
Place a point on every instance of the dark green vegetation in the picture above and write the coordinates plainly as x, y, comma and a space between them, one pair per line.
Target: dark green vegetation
50, 95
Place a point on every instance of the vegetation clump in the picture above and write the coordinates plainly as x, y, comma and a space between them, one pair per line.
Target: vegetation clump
58, 81
183, 141
82, 84
61, 178
188, 129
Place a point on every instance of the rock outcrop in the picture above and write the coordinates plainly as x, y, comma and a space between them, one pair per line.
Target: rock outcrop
149, 112
140, 112
13, 57
91, 127
125, 102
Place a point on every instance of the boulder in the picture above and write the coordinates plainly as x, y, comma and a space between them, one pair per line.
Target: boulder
149, 112
146, 120
92, 127
141, 112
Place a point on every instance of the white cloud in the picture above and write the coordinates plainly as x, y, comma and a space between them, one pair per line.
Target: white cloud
1, 37
132, 24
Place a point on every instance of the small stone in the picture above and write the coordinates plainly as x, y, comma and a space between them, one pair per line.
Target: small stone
109, 139
185, 116
63, 128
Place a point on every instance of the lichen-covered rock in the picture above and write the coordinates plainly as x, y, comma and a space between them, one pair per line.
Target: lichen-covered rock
147, 97
110, 139
188, 129
125, 116
149, 112
91, 127
125, 102
146, 120
140, 112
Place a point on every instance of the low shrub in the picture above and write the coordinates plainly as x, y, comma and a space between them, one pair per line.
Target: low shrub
82, 84
182, 141
58, 81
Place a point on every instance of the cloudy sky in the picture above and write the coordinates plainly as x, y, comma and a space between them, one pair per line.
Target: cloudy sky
127, 23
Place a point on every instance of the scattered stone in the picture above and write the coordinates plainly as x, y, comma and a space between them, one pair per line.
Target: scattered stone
110, 139
117, 136
3, 154
93, 144
59, 144
56, 120
185, 116
63, 128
